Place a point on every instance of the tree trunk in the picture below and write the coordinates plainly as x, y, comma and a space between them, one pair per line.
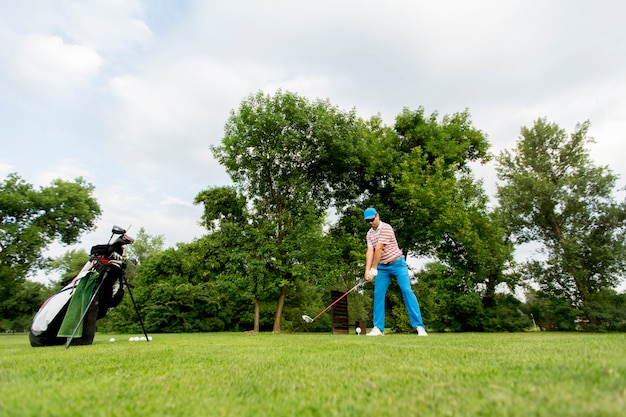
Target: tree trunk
489, 298
279, 309
257, 314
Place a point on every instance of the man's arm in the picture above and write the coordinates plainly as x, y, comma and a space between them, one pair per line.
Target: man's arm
378, 253
372, 258
369, 256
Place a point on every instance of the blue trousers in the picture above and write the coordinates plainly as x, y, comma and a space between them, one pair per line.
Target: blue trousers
399, 270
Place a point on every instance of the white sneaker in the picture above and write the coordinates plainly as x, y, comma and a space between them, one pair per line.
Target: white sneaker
421, 331
375, 332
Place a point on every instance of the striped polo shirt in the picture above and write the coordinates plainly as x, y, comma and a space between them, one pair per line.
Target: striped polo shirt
385, 235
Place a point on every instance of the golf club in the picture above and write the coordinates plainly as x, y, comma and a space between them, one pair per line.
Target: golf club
308, 319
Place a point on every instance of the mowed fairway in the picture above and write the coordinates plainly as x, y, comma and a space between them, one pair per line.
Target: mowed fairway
318, 374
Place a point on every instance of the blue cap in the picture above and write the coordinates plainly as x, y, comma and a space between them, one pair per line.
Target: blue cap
369, 213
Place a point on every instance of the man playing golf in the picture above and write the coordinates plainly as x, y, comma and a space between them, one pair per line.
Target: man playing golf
383, 260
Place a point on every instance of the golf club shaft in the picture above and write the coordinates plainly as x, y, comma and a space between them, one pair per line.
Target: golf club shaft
337, 300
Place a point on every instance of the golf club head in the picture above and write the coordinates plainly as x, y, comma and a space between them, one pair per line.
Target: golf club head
306, 318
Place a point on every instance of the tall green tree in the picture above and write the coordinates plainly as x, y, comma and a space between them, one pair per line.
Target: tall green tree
68, 265
432, 189
553, 195
145, 245
290, 158
226, 217
31, 219
419, 177
446, 214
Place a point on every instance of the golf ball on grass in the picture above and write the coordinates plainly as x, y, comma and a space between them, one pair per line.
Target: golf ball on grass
139, 339
112, 340
358, 330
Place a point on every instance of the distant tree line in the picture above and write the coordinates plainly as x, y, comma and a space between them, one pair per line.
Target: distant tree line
290, 228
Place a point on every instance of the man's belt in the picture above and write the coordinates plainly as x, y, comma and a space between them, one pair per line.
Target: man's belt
393, 261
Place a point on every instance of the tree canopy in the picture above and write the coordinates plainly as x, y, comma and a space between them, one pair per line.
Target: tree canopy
290, 158
553, 194
290, 228
31, 219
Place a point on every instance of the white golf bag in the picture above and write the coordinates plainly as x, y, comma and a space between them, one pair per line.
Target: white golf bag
71, 314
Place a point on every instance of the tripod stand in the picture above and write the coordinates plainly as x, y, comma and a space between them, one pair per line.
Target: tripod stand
123, 281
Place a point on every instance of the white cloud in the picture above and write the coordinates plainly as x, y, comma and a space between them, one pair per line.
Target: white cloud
157, 212
103, 25
67, 170
46, 64
171, 201
53, 50
170, 98
110, 26
6, 169
166, 116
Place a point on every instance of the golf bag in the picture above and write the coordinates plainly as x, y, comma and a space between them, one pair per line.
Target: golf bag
87, 298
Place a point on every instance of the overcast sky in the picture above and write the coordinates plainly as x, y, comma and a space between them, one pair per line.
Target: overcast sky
130, 94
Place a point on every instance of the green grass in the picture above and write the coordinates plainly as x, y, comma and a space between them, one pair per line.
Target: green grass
232, 374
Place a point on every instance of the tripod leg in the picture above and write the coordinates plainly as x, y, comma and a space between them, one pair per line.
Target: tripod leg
136, 309
82, 317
